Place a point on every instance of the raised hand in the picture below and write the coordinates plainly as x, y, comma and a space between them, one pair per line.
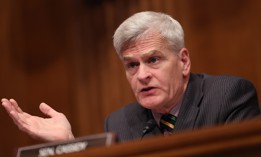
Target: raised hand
54, 128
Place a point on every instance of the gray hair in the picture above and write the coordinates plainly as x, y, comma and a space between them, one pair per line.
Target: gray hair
140, 23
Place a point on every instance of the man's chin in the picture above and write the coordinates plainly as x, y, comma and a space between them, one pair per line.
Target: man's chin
150, 105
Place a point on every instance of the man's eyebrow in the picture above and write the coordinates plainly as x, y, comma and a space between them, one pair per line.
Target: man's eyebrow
127, 58
150, 53
146, 54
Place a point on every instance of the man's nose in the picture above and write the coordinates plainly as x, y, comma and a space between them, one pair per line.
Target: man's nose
144, 74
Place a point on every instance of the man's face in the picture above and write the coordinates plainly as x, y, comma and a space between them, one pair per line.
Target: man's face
157, 75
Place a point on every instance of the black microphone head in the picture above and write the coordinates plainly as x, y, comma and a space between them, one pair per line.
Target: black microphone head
150, 125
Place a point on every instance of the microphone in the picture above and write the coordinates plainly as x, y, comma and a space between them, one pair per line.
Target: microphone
150, 125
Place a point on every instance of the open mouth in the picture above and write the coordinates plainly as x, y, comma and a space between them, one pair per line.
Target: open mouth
147, 89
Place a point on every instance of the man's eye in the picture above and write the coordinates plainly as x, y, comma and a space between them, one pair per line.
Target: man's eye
132, 65
153, 59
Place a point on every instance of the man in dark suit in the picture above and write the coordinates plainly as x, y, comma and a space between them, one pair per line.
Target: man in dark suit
157, 65
208, 100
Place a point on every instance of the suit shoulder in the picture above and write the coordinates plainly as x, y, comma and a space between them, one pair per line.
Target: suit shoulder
225, 88
221, 77
225, 81
125, 110
127, 122
128, 114
227, 98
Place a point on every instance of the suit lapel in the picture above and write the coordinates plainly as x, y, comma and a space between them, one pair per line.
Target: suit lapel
139, 121
189, 108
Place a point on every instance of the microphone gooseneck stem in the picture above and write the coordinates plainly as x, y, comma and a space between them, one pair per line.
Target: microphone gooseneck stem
150, 125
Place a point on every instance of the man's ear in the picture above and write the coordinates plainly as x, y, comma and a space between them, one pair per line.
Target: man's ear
185, 60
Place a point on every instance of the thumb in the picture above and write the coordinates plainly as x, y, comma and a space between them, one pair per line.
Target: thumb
47, 110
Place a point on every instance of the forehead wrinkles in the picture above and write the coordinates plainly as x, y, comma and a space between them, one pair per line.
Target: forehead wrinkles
145, 44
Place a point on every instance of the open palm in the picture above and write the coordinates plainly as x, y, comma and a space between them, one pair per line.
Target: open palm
54, 128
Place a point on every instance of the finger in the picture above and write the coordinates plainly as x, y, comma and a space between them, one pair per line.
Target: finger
47, 110
23, 124
18, 120
7, 105
3, 99
15, 105
10, 109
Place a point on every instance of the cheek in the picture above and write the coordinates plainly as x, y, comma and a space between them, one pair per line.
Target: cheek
164, 81
132, 82
171, 80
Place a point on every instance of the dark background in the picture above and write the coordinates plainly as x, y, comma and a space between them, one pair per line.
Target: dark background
60, 52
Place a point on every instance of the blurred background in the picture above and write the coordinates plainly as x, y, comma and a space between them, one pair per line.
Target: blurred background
60, 52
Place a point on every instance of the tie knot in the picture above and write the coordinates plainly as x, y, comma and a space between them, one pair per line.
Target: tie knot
167, 122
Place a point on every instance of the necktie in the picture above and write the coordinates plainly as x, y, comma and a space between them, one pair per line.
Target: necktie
167, 122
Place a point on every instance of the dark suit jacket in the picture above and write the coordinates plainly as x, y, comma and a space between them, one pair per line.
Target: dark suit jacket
208, 100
